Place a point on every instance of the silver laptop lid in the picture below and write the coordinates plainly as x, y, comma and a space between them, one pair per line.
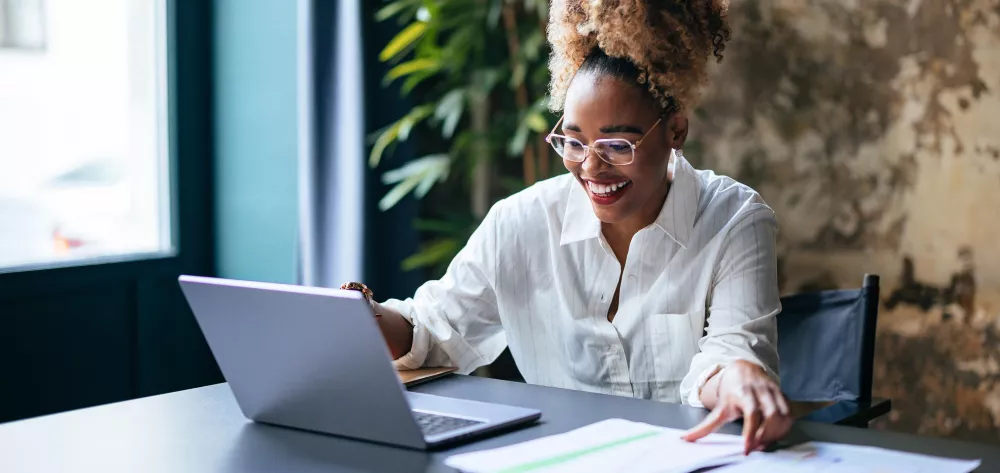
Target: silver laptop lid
310, 358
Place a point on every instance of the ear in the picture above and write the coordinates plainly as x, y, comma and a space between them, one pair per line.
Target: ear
676, 130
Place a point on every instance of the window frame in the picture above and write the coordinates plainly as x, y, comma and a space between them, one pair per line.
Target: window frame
62, 355
188, 143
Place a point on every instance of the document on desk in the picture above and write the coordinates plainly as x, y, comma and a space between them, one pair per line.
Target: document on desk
838, 458
610, 445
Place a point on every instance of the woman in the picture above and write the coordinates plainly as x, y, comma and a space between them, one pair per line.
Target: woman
634, 274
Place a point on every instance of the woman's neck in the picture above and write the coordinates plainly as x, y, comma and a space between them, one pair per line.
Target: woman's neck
619, 235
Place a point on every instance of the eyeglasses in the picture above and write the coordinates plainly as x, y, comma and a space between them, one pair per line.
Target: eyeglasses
614, 151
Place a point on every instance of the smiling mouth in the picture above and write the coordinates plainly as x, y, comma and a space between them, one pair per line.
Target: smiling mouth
608, 190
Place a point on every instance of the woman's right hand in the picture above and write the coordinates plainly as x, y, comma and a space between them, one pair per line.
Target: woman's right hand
397, 331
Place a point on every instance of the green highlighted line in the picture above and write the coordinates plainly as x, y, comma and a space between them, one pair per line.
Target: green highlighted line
575, 454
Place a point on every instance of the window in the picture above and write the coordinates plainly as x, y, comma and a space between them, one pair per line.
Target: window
84, 168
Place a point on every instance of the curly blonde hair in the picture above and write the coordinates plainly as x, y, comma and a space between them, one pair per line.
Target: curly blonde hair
668, 41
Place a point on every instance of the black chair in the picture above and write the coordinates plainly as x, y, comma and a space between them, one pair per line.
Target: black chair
826, 342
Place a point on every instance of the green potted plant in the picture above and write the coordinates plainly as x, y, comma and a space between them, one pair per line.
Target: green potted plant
477, 72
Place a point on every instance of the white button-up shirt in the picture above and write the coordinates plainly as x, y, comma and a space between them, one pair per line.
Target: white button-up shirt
698, 291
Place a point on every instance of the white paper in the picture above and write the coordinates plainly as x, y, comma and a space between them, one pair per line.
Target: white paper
610, 445
837, 458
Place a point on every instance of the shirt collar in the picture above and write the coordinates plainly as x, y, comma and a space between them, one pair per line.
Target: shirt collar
676, 217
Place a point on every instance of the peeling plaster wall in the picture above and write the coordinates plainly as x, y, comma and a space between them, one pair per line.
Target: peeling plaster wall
872, 127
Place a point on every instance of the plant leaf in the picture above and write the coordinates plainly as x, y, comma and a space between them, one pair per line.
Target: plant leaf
419, 175
424, 187
485, 79
460, 145
536, 122
382, 142
517, 76
428, 46
438, 226
456, 49
493, 16
435, 252
414, 80
518, 142
397, 193
390, 10
433, 9
532, 45
450, 123
541, 104
450, 110
416, 65
411, 119
403, 40
431, 164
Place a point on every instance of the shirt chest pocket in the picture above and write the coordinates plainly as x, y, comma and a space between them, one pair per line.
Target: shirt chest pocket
674, 342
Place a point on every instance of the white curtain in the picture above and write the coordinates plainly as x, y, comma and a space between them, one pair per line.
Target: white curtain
331, 143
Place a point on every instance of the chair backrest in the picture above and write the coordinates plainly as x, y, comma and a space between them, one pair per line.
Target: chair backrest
826, 343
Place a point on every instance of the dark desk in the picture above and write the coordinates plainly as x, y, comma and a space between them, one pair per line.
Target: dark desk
202, 430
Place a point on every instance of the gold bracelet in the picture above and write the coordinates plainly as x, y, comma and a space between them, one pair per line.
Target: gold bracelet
367, 293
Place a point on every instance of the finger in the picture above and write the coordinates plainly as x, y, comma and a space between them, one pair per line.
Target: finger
786, 414
770, 416
775, 429
782, 402
717, 418
766, 403
780, 427
751, 419
777, 426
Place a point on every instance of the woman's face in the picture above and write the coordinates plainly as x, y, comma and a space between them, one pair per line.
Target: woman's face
604, 107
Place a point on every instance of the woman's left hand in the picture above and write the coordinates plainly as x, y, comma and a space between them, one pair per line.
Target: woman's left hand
744, 390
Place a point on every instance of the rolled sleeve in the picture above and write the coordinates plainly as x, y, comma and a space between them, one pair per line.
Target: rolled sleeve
744, 304
421, 346
455, 319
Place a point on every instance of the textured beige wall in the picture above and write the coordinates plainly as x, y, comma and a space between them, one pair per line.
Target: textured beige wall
872, 127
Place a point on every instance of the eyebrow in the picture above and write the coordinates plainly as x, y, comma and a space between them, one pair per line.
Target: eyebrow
606, 129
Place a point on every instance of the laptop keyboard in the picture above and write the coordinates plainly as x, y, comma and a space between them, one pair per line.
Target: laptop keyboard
433, 424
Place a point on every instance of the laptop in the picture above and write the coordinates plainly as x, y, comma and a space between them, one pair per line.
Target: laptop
314, 359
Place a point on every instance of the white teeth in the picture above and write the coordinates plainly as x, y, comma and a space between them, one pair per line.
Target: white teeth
606, 189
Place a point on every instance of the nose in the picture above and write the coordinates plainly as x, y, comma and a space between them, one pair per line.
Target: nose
592, 164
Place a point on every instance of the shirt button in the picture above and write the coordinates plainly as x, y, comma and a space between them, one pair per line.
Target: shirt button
631, 278
602, 297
